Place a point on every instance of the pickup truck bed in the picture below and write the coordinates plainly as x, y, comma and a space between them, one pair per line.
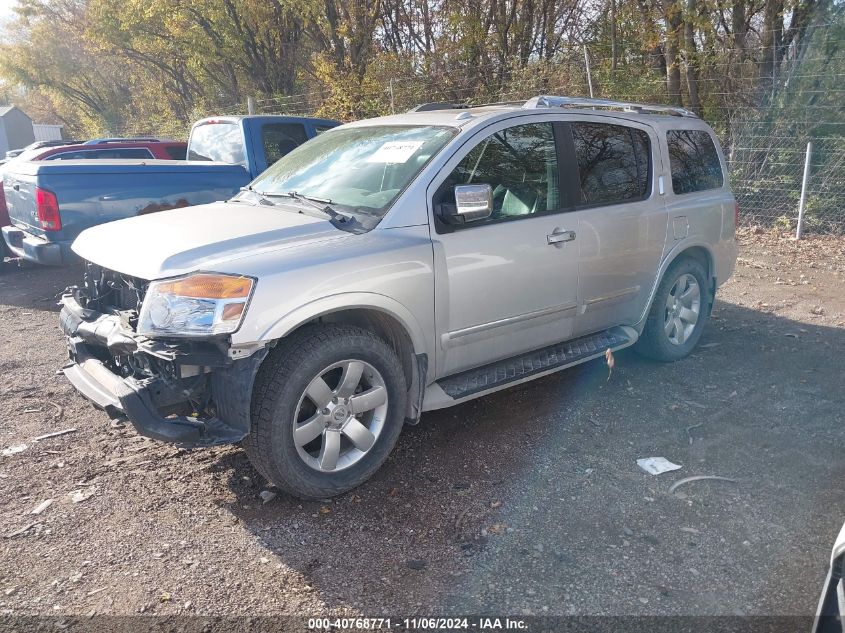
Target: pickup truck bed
51, 203
94, 192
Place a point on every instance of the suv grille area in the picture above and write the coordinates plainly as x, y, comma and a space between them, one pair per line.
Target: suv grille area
110, 292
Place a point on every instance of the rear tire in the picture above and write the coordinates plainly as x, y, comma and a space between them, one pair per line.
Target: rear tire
678, 313
313, 434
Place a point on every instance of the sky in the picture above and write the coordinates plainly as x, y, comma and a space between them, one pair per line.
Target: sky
6, 9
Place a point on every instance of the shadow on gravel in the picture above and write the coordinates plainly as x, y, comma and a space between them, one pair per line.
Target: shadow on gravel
529, 501
36, 287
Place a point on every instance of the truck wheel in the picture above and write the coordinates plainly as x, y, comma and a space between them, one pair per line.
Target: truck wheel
678, 312
327, 408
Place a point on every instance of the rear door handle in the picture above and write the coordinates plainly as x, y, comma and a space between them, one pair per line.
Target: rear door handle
558, 236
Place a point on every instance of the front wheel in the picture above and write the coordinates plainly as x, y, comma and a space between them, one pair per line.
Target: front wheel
678, 313
328, 406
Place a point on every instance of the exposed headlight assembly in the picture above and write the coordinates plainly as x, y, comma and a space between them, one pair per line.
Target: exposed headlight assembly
200, 304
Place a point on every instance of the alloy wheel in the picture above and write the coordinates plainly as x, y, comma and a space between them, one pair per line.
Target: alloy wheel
340, 415
683, 308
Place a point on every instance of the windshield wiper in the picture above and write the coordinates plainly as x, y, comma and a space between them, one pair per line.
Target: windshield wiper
321, 204
262, 197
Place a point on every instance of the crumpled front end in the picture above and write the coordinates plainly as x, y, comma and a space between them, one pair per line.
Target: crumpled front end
186, 391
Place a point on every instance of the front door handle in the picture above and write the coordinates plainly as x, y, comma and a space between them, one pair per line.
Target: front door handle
557, 236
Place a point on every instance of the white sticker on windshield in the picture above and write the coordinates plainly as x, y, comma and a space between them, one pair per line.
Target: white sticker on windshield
395, 152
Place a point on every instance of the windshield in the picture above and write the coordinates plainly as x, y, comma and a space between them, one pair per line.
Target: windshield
359, 169
220, 141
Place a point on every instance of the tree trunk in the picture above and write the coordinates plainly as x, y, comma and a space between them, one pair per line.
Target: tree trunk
672, 51
691, 56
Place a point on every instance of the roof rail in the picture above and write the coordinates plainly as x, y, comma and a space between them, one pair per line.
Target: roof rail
428, 107
550, 101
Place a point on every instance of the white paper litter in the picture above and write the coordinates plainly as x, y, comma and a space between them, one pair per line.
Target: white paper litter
656, 465
12, 450
395, 152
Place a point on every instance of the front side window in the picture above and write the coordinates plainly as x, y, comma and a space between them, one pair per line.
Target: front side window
694, 161
279, 139
520, 164
613, 163
359, 169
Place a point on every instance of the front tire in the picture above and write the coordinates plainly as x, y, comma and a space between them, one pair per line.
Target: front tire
678, 313
328, 406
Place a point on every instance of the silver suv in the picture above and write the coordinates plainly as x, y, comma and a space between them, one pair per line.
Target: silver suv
398, 265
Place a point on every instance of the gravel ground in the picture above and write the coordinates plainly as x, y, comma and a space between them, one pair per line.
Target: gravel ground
525, 502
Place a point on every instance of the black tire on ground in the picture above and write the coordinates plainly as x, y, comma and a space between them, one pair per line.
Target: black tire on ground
281, 382
3, 254
654, 341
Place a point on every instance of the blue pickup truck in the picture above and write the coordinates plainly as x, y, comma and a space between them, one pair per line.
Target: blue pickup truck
50, 203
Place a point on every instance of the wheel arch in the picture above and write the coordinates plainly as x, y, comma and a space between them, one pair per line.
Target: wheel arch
385, 317
698, 251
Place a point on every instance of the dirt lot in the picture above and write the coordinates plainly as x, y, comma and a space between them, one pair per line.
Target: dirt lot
528, 501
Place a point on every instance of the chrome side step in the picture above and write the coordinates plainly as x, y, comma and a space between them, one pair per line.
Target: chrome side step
525, 366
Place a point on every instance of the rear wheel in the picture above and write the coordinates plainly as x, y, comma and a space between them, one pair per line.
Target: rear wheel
678, 312
328, 406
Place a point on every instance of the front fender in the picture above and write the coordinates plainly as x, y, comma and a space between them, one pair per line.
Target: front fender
349, 301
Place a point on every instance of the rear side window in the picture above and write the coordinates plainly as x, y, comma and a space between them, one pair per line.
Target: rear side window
613, 163
280, 139
92, 154
127, 153
694, 160
176, 152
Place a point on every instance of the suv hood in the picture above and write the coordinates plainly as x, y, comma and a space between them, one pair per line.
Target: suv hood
180, 241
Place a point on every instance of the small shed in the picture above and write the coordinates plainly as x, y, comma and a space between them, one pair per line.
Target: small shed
15, 129
48, 132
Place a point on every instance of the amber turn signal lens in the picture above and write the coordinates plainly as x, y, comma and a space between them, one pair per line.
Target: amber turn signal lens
204, 286
233, 311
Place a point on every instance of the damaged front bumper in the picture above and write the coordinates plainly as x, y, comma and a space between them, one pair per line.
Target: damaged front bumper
189, 393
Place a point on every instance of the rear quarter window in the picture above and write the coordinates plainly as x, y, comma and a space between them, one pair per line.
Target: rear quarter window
694, 161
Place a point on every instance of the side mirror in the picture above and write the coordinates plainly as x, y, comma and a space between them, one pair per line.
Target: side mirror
472, 203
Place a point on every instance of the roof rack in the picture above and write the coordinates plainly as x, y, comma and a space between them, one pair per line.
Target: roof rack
429, 107
550, 101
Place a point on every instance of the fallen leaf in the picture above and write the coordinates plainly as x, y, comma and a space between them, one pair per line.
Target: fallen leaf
325, 510
497, 528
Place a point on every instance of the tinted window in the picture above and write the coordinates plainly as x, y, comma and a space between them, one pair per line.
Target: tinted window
694, 161
613, 162
89, 154
520, 164
176, 152
222, 141
280, 138
127, 153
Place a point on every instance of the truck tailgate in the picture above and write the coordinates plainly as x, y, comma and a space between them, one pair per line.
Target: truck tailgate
19, 191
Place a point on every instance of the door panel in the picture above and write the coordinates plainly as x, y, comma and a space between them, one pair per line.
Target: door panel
508, 284
621, 220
